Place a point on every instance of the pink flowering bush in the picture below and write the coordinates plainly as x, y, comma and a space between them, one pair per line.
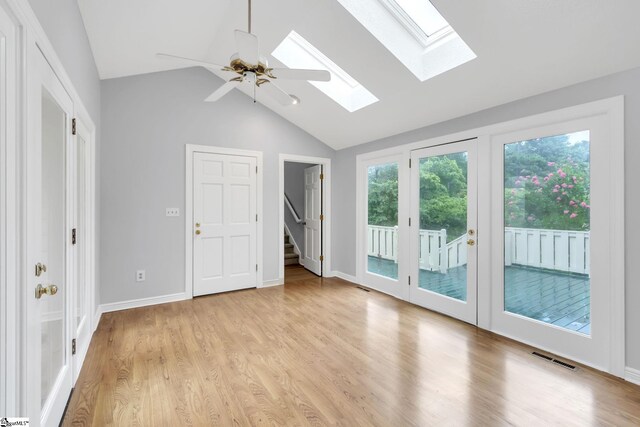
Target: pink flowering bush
551, 192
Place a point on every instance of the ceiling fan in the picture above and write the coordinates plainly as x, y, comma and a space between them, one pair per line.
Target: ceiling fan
252, 68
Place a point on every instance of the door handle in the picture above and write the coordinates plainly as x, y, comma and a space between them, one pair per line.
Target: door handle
48, 290
198, 232
471, 242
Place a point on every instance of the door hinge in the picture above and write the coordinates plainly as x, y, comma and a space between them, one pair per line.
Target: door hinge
409, 280
409, 221
256, 267
73, 126
321, 176
321, 257
256, 217
409, 163
73, 236
256, 169
321, 217
73, 346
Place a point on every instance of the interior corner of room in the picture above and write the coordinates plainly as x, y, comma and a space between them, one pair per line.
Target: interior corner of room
259, 210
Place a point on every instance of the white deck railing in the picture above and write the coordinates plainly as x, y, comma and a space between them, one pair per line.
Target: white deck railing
560, 250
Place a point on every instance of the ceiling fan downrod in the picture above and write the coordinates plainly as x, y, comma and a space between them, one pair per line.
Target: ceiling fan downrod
249, 17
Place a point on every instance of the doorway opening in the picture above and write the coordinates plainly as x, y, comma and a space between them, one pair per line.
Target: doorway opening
304, 217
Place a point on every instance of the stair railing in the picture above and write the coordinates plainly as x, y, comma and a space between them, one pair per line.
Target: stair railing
295, 215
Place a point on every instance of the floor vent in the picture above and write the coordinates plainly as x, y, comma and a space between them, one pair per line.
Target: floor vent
556, 361
362, 289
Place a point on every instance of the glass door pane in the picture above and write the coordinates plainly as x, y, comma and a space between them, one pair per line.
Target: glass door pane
443, 224
547, 230
53, 199
382, 220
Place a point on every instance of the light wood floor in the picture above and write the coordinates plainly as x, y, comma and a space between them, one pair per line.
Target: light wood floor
323, 352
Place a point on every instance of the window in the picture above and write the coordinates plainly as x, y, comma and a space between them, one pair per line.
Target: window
296, 52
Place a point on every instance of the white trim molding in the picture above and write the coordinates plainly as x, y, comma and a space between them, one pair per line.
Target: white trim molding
142, 302
190, 149
326, 208
632, 375
345, 276
271, 283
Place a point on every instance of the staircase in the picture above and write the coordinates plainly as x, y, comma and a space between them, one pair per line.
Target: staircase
290, 257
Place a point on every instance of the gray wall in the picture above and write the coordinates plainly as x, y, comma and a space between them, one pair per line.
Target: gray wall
294, 189
63, 25
626, 83
147, 120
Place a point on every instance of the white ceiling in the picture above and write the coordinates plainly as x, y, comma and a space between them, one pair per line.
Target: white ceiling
524, 47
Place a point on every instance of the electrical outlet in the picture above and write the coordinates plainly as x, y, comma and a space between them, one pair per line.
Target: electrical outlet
140, 276
173, 212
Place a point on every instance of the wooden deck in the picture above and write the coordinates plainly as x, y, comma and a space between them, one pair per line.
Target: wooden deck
559, 298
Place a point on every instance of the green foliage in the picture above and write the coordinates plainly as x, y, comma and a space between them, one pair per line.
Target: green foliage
546, 186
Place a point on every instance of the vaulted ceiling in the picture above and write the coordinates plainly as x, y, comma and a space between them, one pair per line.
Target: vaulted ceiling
523, 48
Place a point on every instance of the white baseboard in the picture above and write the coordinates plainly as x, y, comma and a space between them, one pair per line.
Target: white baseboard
274, 282
344, 276
96, 317
632, 375
142, 302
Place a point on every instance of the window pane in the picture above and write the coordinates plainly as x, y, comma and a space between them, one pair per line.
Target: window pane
382, 224
547, 227
443, 225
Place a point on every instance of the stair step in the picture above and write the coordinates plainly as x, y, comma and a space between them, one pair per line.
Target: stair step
290, 255
291, 261
288, 245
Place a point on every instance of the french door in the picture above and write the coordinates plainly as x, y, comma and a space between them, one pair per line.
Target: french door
443, 232
50, 258
551, 235
225, 223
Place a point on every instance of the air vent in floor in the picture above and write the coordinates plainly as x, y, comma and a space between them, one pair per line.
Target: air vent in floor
556, 361
362, 289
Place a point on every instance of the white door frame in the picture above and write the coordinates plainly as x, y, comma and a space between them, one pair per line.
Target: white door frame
188, 210
326, 209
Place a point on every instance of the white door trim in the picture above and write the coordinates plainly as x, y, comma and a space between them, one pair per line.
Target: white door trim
188, 211
326, 208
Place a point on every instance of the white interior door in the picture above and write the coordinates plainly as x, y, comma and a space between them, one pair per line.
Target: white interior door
225, 223
49, 277
443, 229
551, 236
313, 216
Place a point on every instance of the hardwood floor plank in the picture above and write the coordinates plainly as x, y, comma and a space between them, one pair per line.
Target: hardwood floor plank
319, 351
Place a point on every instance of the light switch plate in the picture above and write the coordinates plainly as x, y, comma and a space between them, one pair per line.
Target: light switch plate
173, 211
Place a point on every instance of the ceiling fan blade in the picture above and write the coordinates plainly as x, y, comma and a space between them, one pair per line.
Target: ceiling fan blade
293, 74
247, 45
223, 90
276, 93
189, 61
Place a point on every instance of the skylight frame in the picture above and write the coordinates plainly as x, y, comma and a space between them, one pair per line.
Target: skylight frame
342, 88
410, 24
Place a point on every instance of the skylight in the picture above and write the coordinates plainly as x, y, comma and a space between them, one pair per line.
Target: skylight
296, 52
414, 32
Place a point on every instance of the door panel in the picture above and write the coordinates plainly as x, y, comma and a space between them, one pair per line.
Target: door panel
50, 213
312, 220
443, 232
225, 223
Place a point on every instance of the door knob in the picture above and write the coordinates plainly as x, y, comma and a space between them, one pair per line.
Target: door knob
198, 231
471, 242
197, 224
48, 290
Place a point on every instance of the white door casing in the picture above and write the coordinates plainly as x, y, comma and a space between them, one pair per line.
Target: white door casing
49, 216
313, 216
224, 223
463, 310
